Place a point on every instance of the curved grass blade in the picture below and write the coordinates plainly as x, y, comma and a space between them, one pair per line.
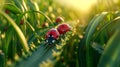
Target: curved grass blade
24, 5
93, 24
90, 23
18, 3
35, 12
33, 5
19, 32
2, 4
111, 55
89, 33
12, 8
108, 26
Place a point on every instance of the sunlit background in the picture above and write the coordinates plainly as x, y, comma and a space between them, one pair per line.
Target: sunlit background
81, 5
86, 5
87, 8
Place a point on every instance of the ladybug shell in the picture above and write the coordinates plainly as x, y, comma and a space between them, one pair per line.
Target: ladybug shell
21, 22
59, 19
7, 11
63, 28
53, 33
45, 24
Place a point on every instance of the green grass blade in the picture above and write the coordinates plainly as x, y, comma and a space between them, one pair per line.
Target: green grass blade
2, 4
90, 23
89, 34
42, 53
12, 8
19, 32
92, 27
8, 40
24, 5
111, 55
18, 3
40, 12
107, 30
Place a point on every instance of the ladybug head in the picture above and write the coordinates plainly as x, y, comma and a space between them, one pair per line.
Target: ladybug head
51, 36
50, 40
63, 28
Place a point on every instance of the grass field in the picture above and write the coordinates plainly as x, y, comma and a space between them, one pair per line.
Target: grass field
92, 41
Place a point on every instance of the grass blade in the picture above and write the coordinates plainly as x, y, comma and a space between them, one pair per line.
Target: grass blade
91, 28
88, 35
110, 57
12, 8
19, 32
42, 53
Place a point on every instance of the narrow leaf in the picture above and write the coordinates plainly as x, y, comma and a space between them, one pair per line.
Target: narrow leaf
19, 32
111, 55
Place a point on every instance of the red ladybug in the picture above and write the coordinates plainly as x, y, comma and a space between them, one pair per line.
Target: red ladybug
51, 36
59, 19
21, 22
7, 11
63, 28
45, 24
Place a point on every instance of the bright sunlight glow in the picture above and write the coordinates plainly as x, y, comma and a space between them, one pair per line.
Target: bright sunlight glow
82, 5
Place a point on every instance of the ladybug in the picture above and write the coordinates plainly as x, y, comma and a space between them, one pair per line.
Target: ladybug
51, 36
45, 24
59, 19
7, 11
22, 22
63, 28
